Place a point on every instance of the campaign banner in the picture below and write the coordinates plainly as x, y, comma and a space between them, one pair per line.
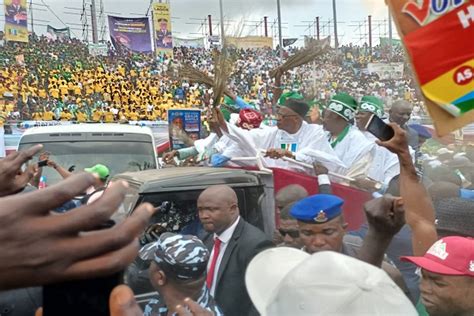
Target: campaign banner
438, 37
55, 33
386, 71
184, 127
188, 42
130, 34
385, 41
16, 21
98, 49
250, 42
162, 33
289, 41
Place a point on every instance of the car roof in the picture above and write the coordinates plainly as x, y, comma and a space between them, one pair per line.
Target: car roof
188, 178
89, 128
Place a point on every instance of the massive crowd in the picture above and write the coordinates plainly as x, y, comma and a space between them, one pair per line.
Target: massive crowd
60, 80
413, 255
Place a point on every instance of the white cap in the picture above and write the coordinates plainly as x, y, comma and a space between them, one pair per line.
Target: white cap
284, 281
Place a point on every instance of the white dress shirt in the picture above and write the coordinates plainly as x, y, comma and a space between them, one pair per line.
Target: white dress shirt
224, 238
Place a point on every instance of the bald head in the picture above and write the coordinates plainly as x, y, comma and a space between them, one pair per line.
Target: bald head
400, 112
221, 192
218, 208
287, 196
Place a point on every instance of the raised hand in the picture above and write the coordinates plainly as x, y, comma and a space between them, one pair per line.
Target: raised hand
385, 215
12, 178
39, 248
399, 143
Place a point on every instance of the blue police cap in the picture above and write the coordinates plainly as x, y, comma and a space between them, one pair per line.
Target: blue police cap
317, 209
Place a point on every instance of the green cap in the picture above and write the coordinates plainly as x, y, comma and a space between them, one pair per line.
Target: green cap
371, 104
343, 105
289, 95
101, 170
228, 101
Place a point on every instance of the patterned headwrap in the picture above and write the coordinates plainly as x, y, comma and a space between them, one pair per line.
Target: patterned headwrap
289, 95
180, 257
343, 105
249, 119
371, 104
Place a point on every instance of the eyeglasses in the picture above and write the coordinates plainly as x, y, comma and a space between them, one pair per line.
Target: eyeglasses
284, 116
291, 233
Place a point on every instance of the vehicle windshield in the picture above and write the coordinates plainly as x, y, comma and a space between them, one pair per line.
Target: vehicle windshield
119, 157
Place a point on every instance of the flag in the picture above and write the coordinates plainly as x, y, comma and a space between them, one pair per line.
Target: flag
289, 41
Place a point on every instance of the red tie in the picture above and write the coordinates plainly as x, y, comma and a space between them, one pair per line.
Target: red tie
212, 268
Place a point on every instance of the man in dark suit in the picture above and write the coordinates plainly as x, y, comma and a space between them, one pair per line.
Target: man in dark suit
164, 37
16, 14
233, 243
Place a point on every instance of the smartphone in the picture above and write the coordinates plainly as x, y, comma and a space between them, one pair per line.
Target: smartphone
81, 297
379, 128
42, 163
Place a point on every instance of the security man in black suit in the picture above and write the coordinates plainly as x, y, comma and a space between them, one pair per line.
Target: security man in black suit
233, 243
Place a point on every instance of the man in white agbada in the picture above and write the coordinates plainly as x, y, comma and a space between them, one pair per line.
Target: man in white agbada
385, 165
350, 145
292, 138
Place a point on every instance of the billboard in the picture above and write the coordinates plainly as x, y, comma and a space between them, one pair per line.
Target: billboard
55, 33
386, 71
162, 32
184, 127
16, 21
190, 43
130, 34
250, 42
100, 49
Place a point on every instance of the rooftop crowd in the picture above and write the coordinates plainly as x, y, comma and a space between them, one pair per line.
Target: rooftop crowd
59, 80
413, 255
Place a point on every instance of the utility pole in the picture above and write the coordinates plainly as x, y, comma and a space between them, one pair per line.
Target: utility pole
95, 37
209, 17
334, 12
280, 38
265, 22
32, 19
318, 31
222, 23
370, 34
390, 34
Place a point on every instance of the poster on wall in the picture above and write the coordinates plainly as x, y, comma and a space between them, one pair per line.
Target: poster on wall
130, 34
162, 33
16, 21
184, 127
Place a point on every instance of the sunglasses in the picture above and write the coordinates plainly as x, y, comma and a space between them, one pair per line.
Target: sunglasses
292, 233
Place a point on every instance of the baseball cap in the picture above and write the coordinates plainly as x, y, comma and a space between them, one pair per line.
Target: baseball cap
101, 170
183, 257
448, 256
284, 281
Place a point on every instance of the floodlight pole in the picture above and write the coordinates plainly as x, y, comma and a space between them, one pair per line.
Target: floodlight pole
280, 38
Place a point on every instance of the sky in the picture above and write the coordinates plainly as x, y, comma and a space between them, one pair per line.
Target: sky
242, 17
